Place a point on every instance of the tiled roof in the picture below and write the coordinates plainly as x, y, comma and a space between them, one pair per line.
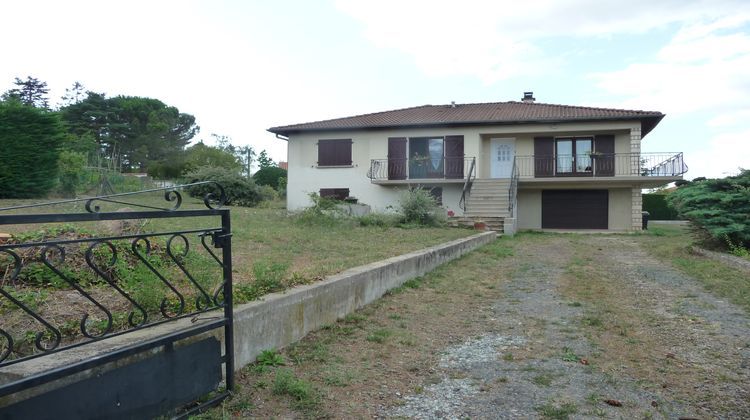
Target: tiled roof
475, 114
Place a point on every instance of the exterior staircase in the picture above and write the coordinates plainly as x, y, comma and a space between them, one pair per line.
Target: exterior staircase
487, 203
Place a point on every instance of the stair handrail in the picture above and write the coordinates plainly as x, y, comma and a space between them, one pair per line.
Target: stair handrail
467, 184
513, 190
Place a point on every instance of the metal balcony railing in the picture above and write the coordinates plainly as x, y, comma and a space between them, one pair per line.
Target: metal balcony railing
602, 165
420, 169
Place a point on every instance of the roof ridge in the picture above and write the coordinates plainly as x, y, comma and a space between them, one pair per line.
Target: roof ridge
549, 104
587, 107
356, 116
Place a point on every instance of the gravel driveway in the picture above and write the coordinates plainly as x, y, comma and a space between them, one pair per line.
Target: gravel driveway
593, 326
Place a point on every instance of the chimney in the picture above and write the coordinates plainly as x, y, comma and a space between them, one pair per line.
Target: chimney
453, 104
528, 97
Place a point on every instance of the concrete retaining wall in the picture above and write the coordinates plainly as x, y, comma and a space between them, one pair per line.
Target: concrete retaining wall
284, 318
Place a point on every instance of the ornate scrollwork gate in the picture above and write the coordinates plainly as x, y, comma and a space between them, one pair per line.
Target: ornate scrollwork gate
124, 324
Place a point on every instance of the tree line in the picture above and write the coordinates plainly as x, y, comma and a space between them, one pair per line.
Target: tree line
44, 148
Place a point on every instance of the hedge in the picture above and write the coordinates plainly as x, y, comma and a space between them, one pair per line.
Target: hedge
656, 205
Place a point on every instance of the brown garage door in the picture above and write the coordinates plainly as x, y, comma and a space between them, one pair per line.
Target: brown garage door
575, 209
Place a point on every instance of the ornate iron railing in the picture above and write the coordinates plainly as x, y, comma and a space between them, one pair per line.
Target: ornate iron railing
70, 285
602, 165
419, 169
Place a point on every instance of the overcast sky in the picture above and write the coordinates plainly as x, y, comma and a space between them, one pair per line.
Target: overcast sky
243, 66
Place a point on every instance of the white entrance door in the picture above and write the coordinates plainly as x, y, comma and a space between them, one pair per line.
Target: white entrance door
502, 152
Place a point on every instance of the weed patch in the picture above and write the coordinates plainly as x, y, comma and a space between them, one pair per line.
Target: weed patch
557, 412
304, 396
379, 336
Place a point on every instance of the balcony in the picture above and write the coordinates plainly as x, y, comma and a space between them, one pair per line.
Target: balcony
422, 170
595, 165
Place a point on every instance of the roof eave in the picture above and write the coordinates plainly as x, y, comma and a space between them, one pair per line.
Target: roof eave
647, 124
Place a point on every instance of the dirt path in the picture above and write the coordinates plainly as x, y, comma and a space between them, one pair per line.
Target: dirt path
542, 326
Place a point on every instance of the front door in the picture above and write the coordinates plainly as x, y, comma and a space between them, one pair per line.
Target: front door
502, 152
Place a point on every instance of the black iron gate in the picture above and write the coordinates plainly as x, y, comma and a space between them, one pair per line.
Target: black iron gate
73, 292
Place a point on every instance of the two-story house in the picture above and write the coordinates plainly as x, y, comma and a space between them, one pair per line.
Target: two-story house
513, 165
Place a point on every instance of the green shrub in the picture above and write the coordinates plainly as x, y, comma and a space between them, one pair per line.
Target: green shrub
657, 207
270, 176
417, 206
323, 212
720, 207
240, 191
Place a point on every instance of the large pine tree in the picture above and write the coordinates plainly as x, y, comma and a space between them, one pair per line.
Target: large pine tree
30, 139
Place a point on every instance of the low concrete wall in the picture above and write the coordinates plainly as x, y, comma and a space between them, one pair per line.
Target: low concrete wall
284, 318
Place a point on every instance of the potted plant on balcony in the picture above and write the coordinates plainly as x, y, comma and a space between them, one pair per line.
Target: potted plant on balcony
418, 165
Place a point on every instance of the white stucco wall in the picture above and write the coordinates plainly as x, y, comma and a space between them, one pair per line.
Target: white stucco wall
305, 177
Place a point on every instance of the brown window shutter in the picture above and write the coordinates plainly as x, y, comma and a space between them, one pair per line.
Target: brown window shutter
397, 158
337, 152
454, 157
544, 156
604, 160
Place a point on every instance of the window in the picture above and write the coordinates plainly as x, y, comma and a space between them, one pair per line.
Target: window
436, 193
426, 157
334, 193
336, 152
573, 155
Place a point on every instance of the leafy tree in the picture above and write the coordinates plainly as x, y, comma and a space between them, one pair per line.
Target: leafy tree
194, 157
721, 207
270, 176
30, 139
131, 130
264, 161
202, 155
245, 154
240, 191
31, 92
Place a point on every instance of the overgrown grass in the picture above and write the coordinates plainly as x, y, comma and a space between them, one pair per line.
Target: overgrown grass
672, 244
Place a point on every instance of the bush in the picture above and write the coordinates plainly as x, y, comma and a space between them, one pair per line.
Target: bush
30, 139
720, 207
72, 166
240, 191
323, 212
417, 206
267, 193
657, 207
270, 176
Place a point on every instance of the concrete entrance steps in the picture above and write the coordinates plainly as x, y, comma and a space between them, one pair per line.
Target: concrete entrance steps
488, 198
493, 223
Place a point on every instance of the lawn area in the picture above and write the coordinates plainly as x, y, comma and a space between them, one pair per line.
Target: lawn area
272, 237
311, 251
